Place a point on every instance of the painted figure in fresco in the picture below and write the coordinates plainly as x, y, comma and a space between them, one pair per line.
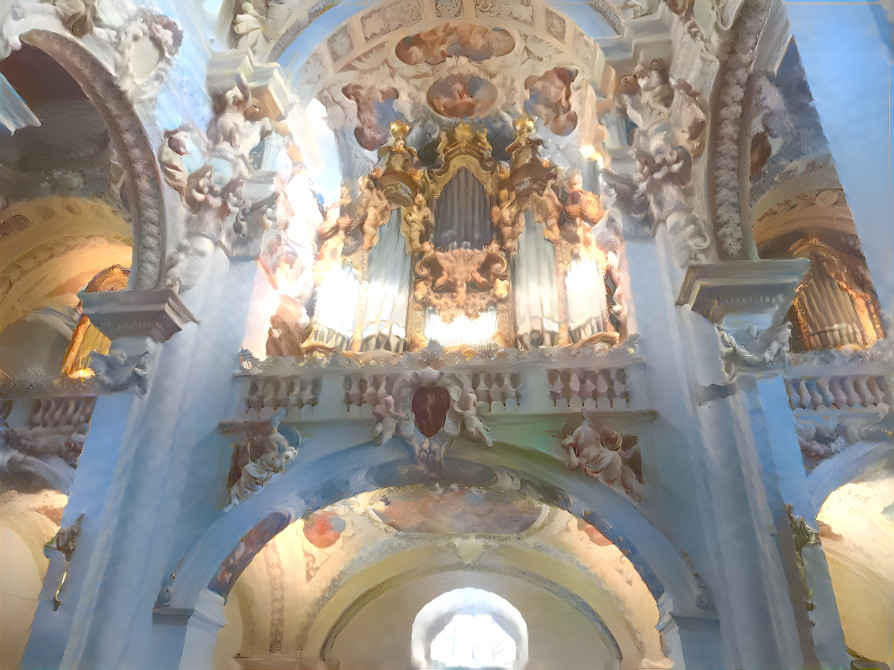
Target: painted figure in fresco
550, 99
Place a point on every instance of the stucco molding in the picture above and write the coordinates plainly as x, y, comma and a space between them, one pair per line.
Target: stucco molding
142, 185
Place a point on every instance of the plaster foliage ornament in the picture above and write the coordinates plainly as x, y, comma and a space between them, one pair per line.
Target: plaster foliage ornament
733, 82
461, 282
116, 371
427, 409
78, 16
514, 10
761, 348
65, 541
472, 41
262, 452
606, 455
186, 263
390, 17
448, 9
146, 47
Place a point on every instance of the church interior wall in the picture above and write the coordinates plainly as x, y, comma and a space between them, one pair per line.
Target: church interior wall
208, 462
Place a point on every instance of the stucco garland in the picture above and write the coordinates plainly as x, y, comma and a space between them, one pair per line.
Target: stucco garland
730, 105
132, 146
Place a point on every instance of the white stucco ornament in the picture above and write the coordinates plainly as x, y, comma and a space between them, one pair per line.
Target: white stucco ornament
606, 455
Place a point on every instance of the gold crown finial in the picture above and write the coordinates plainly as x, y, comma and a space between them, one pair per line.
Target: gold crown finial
399, 129
524, 125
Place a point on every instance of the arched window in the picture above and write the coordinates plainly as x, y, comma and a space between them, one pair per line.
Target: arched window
474, 641
469, 628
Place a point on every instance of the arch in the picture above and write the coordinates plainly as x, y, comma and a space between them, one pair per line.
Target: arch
855, 501
308, 484
577, 601
846, 467
132, 146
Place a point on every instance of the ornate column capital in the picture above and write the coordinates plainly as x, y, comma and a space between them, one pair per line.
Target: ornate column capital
156, 313
747, 301
742, 287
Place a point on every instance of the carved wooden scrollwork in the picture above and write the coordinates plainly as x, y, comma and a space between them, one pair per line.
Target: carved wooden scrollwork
422, 256
461, 281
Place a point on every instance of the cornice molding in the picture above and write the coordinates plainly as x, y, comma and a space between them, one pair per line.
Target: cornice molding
157, 313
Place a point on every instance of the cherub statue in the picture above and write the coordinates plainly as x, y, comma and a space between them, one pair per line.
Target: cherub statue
654, 84
580, 207
547, 208
289, 328
505, 215
376, 211
603, 454
248, 25
239, 124
417, 226
170, 157
79, 16
628, 97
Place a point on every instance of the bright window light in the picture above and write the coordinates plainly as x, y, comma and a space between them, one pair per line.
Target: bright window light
473, 641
